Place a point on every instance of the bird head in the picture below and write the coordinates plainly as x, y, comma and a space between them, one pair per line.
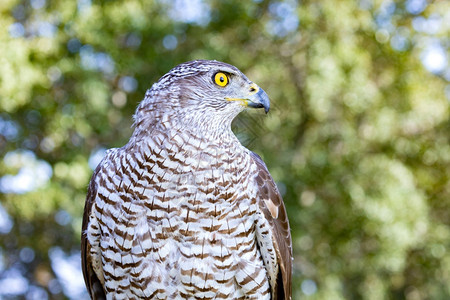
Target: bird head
203, 92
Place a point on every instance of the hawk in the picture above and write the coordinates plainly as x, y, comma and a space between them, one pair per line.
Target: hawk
183, 210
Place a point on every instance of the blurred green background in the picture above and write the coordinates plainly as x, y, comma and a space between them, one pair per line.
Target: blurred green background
358, 138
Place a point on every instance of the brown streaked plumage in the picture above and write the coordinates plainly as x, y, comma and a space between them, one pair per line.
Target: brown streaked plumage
184, 211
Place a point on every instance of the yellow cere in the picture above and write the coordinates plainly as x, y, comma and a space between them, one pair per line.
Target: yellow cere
221, 79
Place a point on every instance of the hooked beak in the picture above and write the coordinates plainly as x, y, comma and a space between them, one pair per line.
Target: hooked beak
259, 100
256, 98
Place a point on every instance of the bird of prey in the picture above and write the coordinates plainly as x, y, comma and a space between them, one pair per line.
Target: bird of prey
183, 210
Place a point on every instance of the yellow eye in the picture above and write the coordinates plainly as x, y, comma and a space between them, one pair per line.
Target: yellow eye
221, 79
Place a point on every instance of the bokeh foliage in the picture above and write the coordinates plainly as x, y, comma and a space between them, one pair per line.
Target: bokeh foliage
358, 137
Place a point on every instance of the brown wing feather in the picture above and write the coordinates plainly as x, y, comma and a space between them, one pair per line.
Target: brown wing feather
274, 210
93, 284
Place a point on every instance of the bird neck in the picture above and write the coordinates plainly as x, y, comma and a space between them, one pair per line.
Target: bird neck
209, 128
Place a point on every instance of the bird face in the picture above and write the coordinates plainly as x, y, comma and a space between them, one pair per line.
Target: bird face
235, 87
219, 87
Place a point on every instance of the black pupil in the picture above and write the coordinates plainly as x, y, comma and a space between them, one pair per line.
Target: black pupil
222, 79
